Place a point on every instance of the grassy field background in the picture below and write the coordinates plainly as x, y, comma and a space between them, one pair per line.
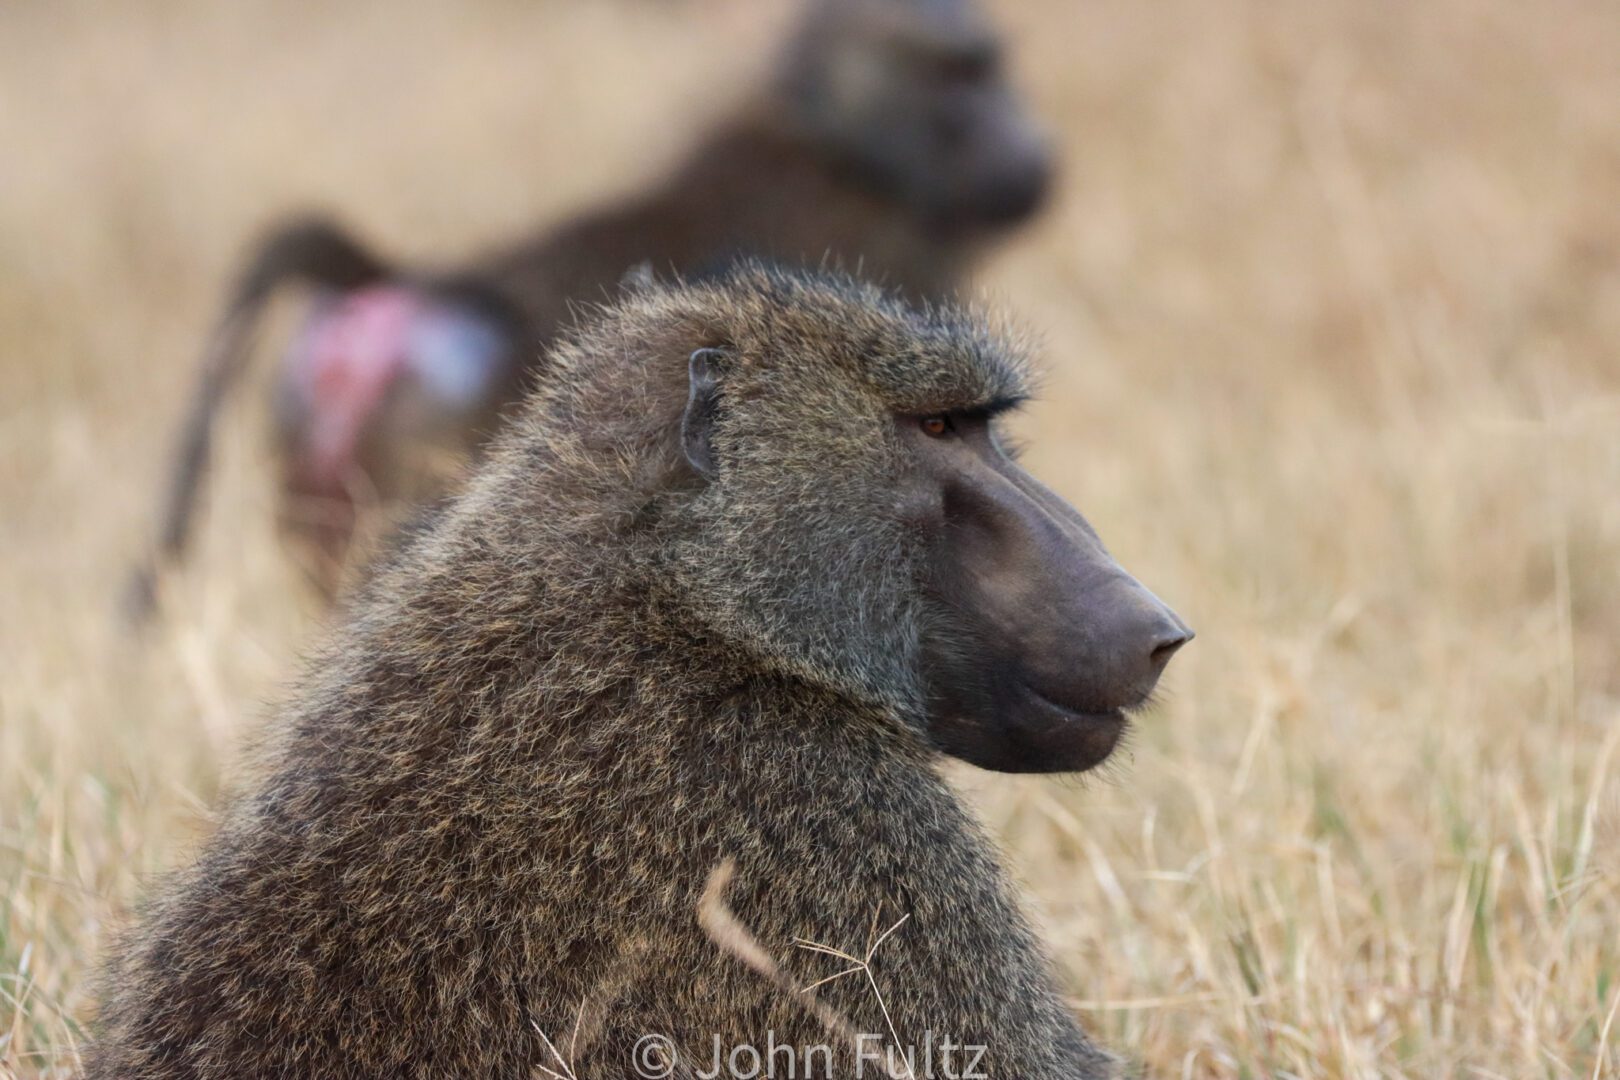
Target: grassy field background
1331, 303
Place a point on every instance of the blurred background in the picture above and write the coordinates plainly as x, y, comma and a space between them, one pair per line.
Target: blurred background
1329, 297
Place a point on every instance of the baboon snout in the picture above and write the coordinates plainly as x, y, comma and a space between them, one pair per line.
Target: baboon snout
1122, 637
1018, 173
1094, 639
1008, 172
1014, 193
1042, 643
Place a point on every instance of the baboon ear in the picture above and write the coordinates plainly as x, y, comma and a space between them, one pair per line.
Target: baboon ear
704, 370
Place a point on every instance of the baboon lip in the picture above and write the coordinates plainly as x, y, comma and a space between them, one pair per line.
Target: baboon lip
1109, 716
1067, 739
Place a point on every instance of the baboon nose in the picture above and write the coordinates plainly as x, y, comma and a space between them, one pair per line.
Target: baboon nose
1158, 633
1014, 195
1171, 638
1117, 658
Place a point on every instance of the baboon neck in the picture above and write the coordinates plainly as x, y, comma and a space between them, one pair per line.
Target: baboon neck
602, 669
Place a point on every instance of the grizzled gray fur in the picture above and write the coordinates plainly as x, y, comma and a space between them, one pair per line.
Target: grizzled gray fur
495, 806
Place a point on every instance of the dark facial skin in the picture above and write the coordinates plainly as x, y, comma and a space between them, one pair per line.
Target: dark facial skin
986, 163
1038, 644
1034, 643
916, 96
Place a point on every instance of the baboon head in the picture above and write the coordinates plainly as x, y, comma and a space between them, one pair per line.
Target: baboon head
850, 516
912, 95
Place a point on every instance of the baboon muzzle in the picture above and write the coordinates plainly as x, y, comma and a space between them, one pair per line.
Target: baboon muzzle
1098, 640
1042, 643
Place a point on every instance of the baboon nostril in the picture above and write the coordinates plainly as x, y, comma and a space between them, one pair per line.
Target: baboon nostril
1167, 645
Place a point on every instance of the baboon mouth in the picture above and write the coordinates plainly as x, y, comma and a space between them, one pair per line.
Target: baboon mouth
1118, 715
1059, 738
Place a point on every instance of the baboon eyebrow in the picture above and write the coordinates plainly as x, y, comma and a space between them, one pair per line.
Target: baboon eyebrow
994, 407
974, 410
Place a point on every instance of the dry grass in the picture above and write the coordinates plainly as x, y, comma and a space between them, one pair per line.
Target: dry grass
1332, 298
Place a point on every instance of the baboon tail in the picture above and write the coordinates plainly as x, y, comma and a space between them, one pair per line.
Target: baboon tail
308, 250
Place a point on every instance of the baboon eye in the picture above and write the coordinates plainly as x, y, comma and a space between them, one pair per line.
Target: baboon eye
937, 426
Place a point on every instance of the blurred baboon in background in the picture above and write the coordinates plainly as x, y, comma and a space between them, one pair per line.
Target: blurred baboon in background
889, 141
738, 574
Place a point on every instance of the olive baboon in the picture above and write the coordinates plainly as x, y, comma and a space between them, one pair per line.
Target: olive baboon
734, 578
889, 140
